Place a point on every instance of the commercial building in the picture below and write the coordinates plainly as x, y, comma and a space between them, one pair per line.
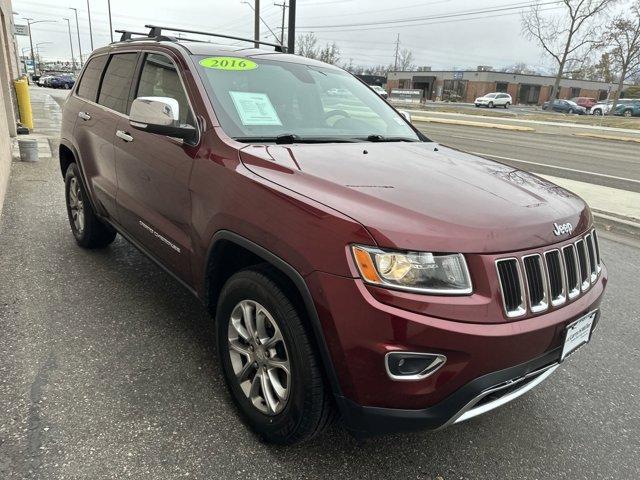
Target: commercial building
467, 85
8, 73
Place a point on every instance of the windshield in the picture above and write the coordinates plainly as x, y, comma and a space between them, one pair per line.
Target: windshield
490, 95
572, 103
265, 100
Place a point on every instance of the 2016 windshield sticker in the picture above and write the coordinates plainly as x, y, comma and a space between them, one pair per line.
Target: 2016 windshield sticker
228, 63
255, 108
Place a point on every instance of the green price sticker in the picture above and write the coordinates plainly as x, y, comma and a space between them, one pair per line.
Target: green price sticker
228, 63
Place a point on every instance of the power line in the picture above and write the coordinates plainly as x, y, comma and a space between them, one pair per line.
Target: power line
518, 6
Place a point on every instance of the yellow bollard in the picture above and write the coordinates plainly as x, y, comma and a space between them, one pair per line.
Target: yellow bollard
24, 102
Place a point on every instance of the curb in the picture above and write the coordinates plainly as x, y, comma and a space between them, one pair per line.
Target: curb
623, 226
608, 137
469, 123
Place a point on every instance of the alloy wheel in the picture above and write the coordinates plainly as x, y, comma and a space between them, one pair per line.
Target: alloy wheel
76, 205
259, 357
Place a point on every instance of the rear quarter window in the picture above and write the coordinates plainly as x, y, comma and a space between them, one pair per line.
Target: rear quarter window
90, 80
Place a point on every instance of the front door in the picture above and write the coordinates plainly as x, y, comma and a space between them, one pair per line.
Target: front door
154, 201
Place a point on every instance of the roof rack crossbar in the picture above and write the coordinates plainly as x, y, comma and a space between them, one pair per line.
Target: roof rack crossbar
126, 34
156, 31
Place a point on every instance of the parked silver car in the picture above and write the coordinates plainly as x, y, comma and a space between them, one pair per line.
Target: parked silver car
604, 107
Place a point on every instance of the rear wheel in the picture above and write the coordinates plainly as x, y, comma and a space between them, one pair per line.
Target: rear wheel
86, 227
268, 360
506, 105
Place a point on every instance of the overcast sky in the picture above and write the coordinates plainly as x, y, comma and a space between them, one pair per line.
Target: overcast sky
494, 39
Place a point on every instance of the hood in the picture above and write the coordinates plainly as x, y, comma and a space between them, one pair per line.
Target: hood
422, 196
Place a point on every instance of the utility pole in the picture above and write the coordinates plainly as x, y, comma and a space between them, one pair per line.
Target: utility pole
284, 11
291, 35
395, 65
78, 31
90, 30
110, 25
73, 58
256, 24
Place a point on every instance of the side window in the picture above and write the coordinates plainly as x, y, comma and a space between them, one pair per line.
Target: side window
114, 92
90, 80
159, 78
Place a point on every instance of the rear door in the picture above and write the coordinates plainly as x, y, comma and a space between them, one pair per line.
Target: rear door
154, 201
93, 133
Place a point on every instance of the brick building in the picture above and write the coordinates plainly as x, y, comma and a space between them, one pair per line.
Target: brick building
467, 85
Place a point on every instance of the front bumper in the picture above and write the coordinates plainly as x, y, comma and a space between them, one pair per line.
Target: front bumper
482, 358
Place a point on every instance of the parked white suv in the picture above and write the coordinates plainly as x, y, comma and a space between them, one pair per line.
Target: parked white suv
604, 107
492, 100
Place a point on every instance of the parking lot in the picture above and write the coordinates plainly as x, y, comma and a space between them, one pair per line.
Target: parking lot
109, 371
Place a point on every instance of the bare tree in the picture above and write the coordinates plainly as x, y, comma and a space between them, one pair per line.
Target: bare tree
623, 35
330, 53
567, 36
405, 60
307, 45
520, 68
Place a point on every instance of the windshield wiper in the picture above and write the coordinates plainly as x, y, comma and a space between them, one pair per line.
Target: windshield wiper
382, 138
291, 138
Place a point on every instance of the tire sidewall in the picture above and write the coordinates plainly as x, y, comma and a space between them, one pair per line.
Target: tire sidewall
241, 287
72, 171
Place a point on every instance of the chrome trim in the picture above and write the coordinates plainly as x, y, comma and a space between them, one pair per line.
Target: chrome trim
432, 368
563, 278
468, 411
521, 309
596, 244
584, 285
124, 136
593, 273
573, 290
544, 303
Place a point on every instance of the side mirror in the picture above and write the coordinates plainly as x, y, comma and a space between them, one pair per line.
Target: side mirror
406, 115
160, 115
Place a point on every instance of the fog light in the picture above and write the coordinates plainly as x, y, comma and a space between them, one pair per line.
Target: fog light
412, 365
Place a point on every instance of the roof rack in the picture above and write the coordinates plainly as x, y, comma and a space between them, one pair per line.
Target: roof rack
156, 32
127, 37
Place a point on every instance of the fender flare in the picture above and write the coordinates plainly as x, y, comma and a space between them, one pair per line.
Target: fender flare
78, 161
300, 284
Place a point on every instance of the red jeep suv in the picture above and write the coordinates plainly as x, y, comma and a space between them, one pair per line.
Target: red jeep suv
354, 268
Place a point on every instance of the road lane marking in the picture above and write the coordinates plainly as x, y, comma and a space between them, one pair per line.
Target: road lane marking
613, 177
473, 138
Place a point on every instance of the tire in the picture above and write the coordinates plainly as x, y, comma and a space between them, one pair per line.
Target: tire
506, 105
597, 112
86, 227
627, 113
304, 407
490, 105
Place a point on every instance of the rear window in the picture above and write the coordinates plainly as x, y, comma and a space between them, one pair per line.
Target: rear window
114, 92
90, 80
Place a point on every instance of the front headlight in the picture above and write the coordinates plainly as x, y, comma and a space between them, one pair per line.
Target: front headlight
422, 272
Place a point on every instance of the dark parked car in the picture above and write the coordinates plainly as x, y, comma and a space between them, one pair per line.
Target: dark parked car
628, 109
352, 266
586, 102
62, 81
564, 106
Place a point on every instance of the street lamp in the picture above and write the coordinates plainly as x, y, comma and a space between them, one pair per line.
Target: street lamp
78, 30
29, 23
38, 50
73, 59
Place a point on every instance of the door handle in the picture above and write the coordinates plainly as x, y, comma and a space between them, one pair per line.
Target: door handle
84, 115
124, 136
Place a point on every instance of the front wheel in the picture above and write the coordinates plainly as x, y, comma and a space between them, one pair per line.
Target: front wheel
627, 113
597, 112
268, 360
490, 105
88, 230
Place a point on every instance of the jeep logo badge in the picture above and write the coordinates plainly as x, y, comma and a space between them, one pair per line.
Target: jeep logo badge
565, 228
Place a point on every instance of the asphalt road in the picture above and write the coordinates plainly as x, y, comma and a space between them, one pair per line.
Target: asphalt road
610, 163
108, 371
